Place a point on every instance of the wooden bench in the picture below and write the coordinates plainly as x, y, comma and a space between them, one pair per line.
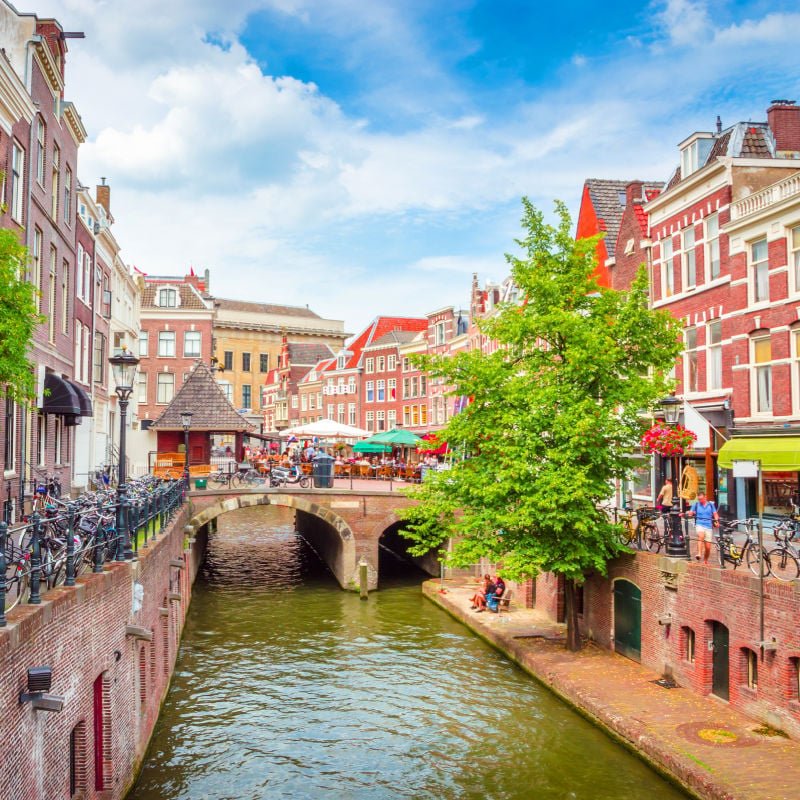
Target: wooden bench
505, 601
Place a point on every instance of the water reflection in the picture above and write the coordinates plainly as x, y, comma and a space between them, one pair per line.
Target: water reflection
288, 687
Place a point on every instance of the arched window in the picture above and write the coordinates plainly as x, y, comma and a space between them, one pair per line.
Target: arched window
750, 668
687, 644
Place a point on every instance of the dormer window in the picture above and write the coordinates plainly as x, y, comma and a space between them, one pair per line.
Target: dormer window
694, 152
167, 298
340, 362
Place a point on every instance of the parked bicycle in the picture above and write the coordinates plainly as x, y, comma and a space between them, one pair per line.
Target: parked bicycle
757, 559
784, 558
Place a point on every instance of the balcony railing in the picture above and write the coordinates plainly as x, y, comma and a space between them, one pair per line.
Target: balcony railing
758, 201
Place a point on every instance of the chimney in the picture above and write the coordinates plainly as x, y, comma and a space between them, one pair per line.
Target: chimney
104, 196
783, 118
719, 125
634, 192
207, 280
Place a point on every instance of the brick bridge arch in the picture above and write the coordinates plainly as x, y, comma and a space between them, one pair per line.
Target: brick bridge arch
358, 519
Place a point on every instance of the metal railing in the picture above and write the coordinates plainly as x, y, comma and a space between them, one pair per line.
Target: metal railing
54, 548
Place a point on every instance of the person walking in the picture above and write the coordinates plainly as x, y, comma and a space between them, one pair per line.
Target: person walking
706, 519
664, 498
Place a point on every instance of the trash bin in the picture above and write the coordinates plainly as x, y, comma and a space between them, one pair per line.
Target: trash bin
323, 471
200, 483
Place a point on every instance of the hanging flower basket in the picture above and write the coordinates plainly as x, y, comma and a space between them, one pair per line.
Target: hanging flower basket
668, 441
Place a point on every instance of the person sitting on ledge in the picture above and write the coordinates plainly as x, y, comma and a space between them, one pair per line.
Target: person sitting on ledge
480, 595
493, 599
488, 592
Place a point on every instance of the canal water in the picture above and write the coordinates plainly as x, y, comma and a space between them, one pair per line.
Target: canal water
288, 687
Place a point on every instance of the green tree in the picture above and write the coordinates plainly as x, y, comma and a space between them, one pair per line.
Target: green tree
18, 319
556, 413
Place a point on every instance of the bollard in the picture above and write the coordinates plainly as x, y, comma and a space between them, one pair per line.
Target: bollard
36, 560
3, 540
363, 579
99, 548
69, 580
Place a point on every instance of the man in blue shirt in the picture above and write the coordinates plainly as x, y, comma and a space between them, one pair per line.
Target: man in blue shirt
706, 519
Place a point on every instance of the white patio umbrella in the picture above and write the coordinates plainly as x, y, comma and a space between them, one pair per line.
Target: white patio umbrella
326, 429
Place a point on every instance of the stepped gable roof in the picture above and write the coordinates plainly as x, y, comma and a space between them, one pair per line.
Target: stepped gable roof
264, 308
379, 327
605, 196
316, 370
189, 296
307, 353
203, 396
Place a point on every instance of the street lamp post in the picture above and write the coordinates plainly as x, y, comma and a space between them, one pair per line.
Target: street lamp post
676, 544
124, 368
186, 421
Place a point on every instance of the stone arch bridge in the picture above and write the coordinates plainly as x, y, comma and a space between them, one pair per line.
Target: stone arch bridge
343, 526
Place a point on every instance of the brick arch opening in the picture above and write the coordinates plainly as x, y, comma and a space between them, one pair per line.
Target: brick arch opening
387, 534
328, 533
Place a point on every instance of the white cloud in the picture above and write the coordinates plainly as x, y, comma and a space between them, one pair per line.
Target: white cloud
685, 22
772, 29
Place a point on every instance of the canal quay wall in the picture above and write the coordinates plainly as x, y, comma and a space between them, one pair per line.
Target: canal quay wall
710, 748
682, 602
111, 642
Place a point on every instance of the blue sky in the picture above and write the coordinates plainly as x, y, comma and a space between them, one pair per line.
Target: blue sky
367, 158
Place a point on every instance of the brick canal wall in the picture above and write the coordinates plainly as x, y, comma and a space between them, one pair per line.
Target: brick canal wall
111, 661
682, 600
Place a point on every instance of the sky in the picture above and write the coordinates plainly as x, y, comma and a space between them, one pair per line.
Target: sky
366, 157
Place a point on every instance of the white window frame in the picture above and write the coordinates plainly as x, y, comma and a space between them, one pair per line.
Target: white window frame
391, 363
795, 348
162, 385
667, 261
713, 356
380, 364
369, 366
195, 335
380, 391
168, 293
758, 272
761, 373
711, 246
370, 393
144, 337
40, 151
17, 181
164, 342
793, 247
689, 359
141, 388
689, 258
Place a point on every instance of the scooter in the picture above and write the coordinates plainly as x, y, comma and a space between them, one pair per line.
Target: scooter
281, 476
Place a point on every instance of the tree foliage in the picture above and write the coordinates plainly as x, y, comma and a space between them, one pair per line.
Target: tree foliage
556, 413
18, 319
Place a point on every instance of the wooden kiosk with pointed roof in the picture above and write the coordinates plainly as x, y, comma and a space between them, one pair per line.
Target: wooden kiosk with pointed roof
212, 412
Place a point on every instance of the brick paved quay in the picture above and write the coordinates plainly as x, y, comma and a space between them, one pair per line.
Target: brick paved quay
669, 728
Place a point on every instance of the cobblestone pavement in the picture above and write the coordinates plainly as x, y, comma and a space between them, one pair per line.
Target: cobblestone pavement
711, 749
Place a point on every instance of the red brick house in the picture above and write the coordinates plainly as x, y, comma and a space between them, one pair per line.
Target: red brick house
726, 234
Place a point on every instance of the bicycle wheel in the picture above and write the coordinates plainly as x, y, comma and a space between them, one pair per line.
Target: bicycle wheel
18, 590
651, 538
236, 480
754, 563
783, 564
305, 482
628, 532
219, 479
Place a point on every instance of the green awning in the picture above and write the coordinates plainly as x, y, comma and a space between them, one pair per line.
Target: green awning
776, 453
371, 447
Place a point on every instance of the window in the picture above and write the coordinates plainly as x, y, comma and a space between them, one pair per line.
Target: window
423, 415
294, 401
794, 673
759, 264
166, 388
380, 364
689, 259
65, 298
227, 390
167, 298
141, 395
77, 760
369, 365
381, 390
40, 143
10, 433
667, 271
381, 420
370, 420
17, 181
406, 364
794, 256
191, 344
712, 246
228, 359
245, 362
714, 354
58, 438
41, 438
351, 414
87, 343
246, 395
762, 358
414, 384
51, 311
56, 168
406, 416
143, 342
392, 387
391, 419
99, 365
263, 362
340, 413
79, 273
37, 267
304, 402
415, 415
688, 645
87, 277
690, 360
438, 333
391, 363
370, 391
406, 388
796, 354
750, 667
166, 344
423, 388
67, 195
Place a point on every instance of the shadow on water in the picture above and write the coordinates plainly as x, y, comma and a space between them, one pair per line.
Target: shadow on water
288, 687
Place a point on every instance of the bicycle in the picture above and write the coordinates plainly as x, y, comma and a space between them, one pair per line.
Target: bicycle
783, 558
734, 554
651, 536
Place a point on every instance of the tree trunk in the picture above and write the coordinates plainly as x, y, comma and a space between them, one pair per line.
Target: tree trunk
574, 642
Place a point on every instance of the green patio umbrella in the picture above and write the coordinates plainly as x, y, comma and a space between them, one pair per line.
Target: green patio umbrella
397, 437
371, 447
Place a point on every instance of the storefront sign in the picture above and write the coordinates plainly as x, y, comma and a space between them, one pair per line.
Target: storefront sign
745, 469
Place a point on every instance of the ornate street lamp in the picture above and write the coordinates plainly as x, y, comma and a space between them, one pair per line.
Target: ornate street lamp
124, 369
186, 421
671, 406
